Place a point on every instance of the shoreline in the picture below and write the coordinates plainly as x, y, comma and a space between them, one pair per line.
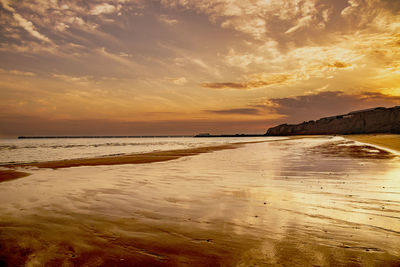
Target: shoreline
384, 141
9, 173
148, 157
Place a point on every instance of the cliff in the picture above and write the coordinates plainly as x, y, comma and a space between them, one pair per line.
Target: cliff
376, 120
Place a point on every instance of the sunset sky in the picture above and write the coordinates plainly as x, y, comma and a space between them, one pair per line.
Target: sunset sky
155, 67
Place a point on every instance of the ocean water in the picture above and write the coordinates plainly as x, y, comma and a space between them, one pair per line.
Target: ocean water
38, 150
322, 201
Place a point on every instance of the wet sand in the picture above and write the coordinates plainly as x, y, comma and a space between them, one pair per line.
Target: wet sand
391, 141
9, 174
317, 201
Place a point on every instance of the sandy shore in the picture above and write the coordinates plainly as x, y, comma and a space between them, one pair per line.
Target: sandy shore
9, 172
299, 202
390, 141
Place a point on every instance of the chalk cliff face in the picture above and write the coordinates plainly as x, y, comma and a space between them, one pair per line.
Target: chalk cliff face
377, 120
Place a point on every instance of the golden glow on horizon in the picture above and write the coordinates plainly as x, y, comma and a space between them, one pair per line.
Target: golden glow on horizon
189, 61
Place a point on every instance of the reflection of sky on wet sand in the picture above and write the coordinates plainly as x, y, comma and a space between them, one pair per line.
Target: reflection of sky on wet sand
288, 202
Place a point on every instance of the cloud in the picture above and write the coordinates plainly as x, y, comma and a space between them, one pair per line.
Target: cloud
75, 20
61, 26
120, 58
323, 104
168, 20
236, 111
377, 96
255, 81
74, 79
225, 85
255, 18
339, 65
308, 62
103, 9
24, 23
236, 59
18, 72
29, 27
352, 7
391, 5
178, 81
27, 47
301, 23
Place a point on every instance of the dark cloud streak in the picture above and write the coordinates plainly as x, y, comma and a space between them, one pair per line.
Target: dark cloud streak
251, 84
238, 111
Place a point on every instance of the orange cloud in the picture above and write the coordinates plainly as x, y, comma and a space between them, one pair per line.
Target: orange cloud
236, 111
339, 65
178, 81
18, 72
250, 84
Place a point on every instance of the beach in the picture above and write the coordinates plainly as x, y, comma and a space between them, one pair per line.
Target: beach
388, 141
304, 201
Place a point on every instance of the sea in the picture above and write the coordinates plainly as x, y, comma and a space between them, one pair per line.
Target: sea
48, 149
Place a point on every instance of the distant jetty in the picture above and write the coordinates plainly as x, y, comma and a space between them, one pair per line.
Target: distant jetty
101, 136
136, 136
227, 135
368, 121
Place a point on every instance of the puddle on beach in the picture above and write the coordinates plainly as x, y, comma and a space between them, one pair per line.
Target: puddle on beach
302, 202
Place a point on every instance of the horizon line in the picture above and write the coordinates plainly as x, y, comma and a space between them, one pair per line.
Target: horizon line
133, 136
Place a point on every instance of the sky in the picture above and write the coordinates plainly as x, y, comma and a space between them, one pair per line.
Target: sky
181, 67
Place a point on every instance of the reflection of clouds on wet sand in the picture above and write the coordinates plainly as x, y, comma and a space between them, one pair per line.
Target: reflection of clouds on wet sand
288, 203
